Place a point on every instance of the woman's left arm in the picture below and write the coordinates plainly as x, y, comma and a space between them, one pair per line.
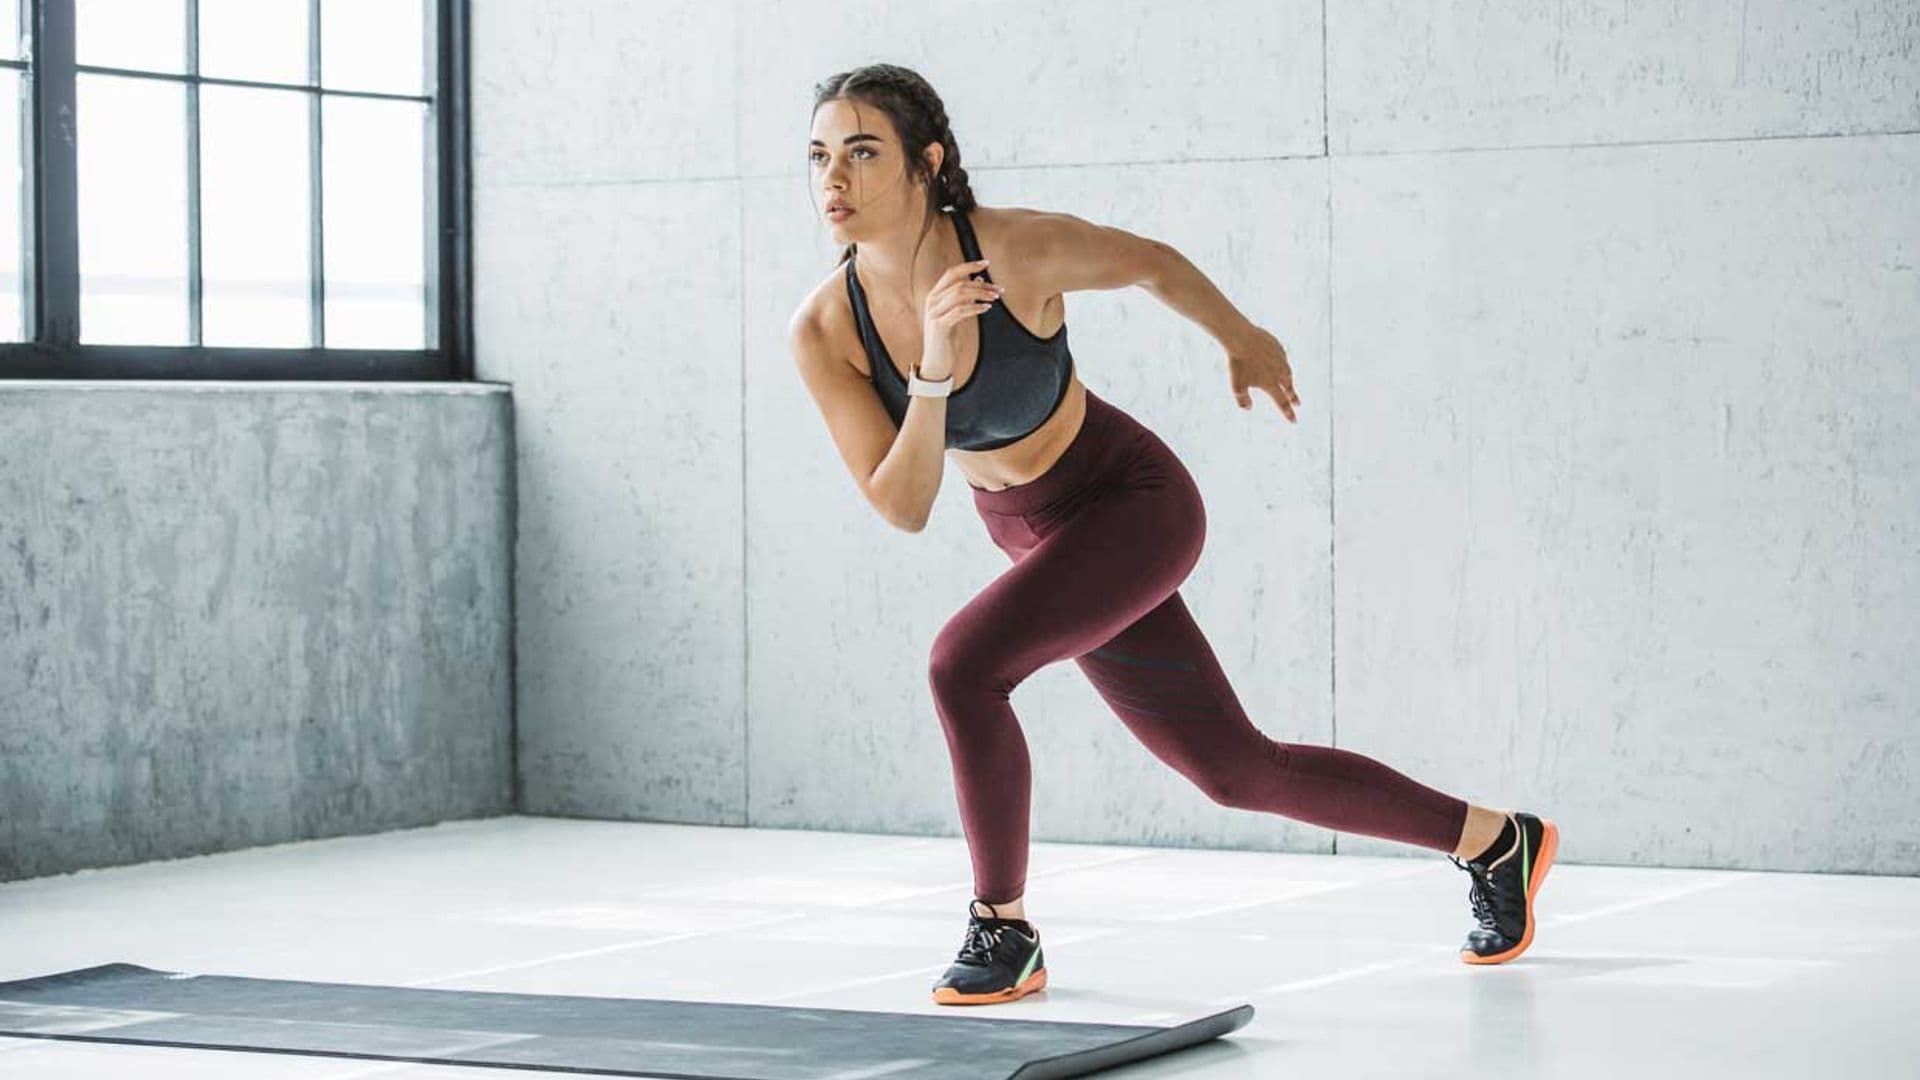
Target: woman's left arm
1072, 254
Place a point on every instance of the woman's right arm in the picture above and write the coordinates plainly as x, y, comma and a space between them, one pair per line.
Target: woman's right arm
896, 475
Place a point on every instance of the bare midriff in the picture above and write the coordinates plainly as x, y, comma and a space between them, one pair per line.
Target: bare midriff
1025, 461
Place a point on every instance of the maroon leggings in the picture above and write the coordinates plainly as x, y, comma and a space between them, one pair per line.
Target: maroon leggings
1100, 544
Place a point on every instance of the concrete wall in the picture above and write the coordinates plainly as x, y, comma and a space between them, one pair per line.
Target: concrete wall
245, 613
1603, 502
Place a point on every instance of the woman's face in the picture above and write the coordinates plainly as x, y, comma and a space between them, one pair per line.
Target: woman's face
856, 161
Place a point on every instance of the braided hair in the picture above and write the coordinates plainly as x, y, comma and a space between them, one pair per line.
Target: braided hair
918, 116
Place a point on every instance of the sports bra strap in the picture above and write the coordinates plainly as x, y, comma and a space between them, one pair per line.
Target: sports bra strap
968, 246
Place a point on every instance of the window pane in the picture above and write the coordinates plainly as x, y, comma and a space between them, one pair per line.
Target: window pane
13, 212
10, 29
374, 45
144, 35
133, 210
262, 40
255, 242
376, 192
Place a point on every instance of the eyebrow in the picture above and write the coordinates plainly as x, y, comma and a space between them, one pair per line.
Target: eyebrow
858, 136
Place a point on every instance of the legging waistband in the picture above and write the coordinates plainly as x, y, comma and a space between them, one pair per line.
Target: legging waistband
1105, 430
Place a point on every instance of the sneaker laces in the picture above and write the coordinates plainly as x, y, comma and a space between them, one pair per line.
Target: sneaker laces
980, 942
1479, 893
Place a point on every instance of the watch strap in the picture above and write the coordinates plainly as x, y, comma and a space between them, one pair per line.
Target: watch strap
919, 387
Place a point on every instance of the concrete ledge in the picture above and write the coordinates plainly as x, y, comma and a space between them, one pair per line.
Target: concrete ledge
238, 613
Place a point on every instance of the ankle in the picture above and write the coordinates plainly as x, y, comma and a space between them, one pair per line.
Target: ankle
1006, 909
1503, 841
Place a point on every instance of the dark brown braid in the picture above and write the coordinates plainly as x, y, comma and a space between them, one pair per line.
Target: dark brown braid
919, 117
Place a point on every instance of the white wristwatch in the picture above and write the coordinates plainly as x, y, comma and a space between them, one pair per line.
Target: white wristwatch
919, 387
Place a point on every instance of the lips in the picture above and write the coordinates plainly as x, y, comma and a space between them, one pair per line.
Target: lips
837, 211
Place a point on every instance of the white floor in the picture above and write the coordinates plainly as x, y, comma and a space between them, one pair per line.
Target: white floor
1349, 961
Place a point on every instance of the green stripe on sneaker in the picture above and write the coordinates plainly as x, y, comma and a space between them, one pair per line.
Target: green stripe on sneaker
1028, 970
1526, 861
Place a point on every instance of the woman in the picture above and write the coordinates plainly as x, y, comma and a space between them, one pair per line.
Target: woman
914, 348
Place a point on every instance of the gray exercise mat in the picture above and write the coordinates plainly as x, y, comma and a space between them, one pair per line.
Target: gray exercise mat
696, 1040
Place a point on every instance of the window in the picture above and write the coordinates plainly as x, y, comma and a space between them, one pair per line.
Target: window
234, 189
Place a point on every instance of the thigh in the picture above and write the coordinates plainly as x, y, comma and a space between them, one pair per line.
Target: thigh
1089, 574
1160, 676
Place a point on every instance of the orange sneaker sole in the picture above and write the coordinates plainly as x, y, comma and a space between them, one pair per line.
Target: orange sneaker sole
1542, 860
947, 995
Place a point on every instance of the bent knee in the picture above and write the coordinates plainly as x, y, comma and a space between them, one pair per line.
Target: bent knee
1243, 780
967, 663
1227, 789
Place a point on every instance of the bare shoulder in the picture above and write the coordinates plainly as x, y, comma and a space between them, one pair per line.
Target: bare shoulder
825, 316
1013, 232
1056, 252
1025, 244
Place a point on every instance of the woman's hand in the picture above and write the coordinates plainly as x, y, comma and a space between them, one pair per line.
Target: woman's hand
1260, 360
955, 296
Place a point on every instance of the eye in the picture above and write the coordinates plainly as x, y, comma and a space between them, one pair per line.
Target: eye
815, 155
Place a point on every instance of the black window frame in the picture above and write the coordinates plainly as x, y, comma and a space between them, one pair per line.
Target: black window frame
54, 350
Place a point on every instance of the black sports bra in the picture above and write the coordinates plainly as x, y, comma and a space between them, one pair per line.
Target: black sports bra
1019, 379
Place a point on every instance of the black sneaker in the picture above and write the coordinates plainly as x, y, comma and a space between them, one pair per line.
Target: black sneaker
1503, 889
999, 961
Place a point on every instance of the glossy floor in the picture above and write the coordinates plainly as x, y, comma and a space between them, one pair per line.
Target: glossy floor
1350, 961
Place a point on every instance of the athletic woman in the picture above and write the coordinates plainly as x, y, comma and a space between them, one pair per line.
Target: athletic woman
915, 350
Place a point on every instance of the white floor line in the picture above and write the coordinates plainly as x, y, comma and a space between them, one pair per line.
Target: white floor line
578, 954
1321, 890
1423, 955
622, 946
1419, 957
922, 969
1646, 901
1089, 935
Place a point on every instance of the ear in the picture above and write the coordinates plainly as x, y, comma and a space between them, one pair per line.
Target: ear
935, 154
